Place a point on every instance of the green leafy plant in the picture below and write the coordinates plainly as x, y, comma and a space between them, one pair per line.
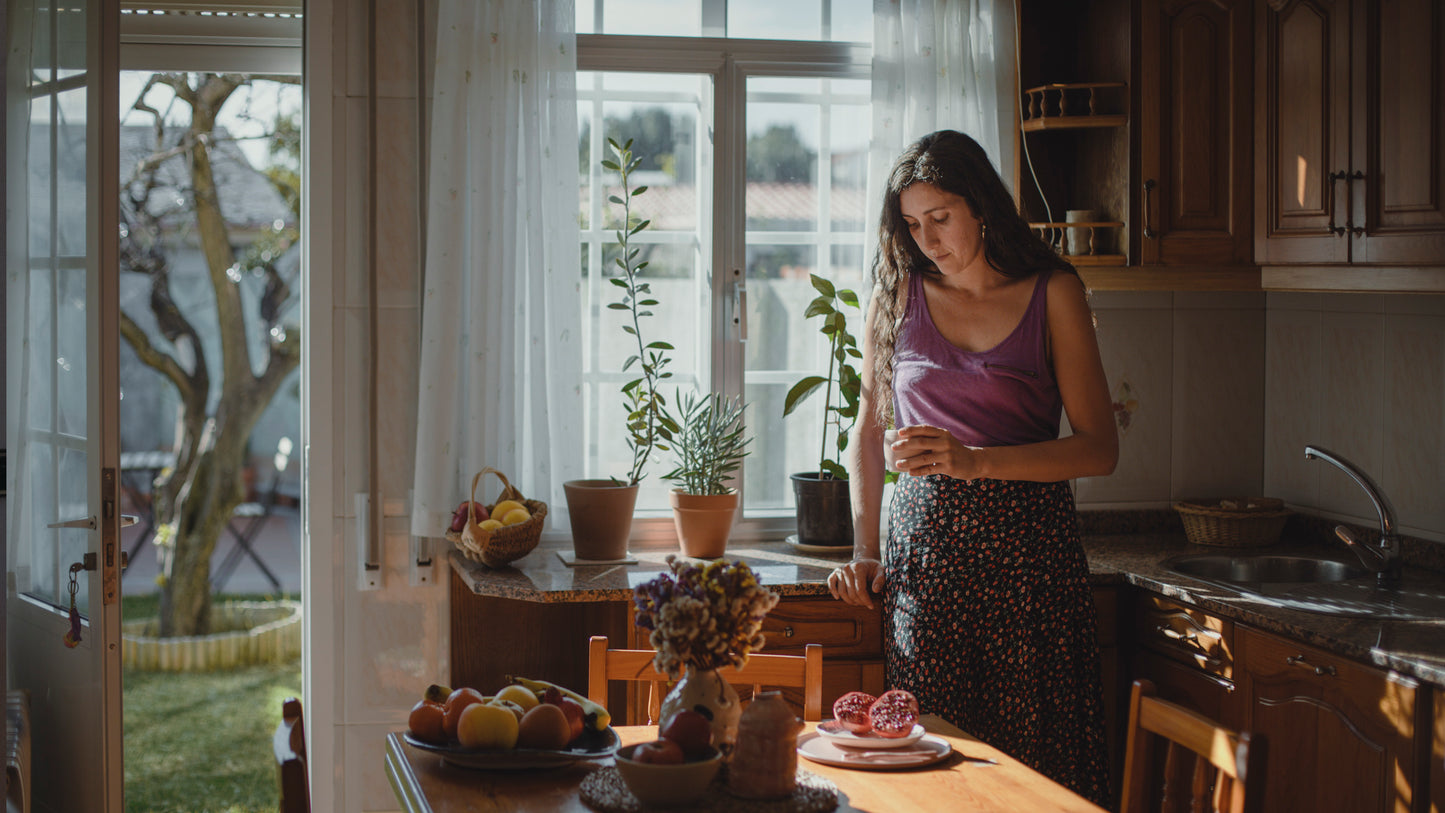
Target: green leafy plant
842, 385
709, 444
648, 424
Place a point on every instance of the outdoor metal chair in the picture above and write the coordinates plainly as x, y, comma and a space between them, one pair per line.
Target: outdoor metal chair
250, 518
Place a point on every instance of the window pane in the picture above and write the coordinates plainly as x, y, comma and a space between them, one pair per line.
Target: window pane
666, 117
852, 21
663, 18
806, 155
772, 20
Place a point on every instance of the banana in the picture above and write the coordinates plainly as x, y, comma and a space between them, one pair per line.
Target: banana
595, 714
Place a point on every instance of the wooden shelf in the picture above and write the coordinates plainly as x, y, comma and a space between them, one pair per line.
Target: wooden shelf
1169, 278
1077, 260
1072, 122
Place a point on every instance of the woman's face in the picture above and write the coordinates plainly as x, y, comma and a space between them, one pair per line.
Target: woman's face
942, 226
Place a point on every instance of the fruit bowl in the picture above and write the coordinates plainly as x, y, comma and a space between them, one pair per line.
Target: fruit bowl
591, 745
672, 784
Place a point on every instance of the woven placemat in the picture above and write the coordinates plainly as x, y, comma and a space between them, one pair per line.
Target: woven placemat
605, 790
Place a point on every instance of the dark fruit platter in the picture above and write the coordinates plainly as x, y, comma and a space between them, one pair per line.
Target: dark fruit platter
592, 744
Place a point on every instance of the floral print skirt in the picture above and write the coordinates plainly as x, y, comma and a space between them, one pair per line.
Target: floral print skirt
989, 620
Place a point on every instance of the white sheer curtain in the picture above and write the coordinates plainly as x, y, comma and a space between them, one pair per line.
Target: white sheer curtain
500, 352
940, 65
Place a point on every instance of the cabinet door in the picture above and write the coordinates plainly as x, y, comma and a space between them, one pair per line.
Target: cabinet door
1209, 695
1196, 145
1399, 132
1302, 146
1341, 736
1437, 756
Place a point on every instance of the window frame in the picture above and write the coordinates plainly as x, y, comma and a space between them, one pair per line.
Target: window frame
730, 63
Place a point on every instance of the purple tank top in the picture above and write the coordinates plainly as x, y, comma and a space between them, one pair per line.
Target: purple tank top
1005, 396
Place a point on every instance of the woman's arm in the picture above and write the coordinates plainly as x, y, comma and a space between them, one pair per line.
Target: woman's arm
1092, 449
853, 582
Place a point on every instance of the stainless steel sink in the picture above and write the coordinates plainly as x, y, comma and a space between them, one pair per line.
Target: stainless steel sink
1317, 585
1265, 569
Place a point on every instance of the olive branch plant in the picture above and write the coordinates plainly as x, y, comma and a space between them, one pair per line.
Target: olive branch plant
648, 424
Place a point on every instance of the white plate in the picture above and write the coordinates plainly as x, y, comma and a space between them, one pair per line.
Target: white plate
831, 550
834, 732
925, 751
591, 745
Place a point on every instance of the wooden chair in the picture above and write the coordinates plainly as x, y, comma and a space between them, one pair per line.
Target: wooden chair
289, 746
801, 671
1227, 773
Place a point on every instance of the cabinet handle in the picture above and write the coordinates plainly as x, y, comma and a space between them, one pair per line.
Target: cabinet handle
1170, 632
1148, 187
787, 632
1349, 178
1335, 177
1299, 660
1199, 629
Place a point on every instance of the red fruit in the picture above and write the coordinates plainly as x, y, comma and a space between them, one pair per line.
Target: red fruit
459, 516
575, 715
894, 714
851, 711
690, 730
457, 702
658, 752
425, 722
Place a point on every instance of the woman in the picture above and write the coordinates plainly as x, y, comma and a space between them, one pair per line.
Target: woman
977, 336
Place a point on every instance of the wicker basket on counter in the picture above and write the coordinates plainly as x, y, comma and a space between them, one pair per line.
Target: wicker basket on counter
1233, 522
504, 545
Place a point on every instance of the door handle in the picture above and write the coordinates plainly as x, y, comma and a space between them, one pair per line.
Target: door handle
88, 523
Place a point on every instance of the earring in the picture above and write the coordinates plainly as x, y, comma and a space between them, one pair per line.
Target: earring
983, 231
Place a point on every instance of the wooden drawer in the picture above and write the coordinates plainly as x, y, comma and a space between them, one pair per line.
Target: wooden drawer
1186, 634
843, 630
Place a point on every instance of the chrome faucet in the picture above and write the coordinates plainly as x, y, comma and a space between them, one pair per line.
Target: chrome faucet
1384, 560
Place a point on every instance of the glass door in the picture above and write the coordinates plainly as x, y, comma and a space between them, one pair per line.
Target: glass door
62, 528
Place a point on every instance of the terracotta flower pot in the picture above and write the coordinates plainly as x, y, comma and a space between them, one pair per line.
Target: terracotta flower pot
601, 515
703, 522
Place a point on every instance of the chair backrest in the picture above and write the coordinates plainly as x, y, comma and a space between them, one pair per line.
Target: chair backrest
789, 671
289, 747
1205, 766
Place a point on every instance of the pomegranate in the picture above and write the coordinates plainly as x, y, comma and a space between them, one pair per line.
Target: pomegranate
851, 711
894, 714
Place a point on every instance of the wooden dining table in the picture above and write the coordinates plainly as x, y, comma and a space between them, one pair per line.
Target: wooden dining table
974, 777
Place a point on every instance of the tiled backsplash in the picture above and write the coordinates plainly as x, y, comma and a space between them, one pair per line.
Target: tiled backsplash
1218, 394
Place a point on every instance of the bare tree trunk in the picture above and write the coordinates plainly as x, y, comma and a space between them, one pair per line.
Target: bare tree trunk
194, 502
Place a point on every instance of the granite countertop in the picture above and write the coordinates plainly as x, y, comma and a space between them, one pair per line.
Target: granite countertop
1412, 648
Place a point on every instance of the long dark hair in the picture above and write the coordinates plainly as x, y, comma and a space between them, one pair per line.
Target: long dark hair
955, 163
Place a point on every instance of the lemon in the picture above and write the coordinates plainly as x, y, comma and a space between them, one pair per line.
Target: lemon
500, 509
515, 516
520, 695
489, 524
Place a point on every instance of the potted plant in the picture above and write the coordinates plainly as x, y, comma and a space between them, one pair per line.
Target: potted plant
601, 509
709, 445
825, 516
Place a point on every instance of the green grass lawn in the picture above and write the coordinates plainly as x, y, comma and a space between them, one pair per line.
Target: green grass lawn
200, 742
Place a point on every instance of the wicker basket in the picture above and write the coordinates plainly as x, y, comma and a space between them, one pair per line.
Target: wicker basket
504, 545
1233, 522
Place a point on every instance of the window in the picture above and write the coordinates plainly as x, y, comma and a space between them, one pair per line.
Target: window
754, 152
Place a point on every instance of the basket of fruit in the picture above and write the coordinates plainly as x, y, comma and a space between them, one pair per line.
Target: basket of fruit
1233, 522
501, 533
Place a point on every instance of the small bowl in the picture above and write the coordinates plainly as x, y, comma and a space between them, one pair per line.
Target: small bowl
664, 785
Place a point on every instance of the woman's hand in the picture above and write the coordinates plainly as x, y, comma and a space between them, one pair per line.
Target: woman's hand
852, 582
923, 450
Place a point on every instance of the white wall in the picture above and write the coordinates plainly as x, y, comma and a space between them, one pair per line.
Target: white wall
1231, 387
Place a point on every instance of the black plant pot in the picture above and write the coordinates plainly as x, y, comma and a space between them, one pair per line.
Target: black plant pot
825, 516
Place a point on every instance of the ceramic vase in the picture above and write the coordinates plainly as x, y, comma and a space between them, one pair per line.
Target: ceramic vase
708, 693
765, 759
601, 516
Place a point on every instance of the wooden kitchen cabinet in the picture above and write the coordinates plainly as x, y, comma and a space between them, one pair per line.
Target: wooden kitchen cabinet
1437, 756
1341, 735
1194, 187
1350, 147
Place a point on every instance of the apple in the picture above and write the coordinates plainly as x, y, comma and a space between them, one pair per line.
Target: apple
690, 730
457, 702
658, 752
576, 717
459, 516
